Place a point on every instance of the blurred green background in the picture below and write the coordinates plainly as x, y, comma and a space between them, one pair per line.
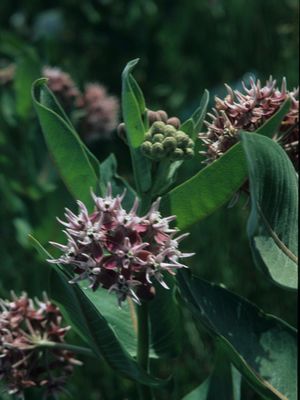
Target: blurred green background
183, 49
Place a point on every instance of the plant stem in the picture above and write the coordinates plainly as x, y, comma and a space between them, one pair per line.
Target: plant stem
143, 336
143, 348
70, 347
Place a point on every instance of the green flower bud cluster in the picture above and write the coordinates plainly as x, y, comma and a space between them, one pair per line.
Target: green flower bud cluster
165, 141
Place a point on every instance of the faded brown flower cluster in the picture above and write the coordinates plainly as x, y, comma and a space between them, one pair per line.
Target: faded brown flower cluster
101, 112
24, 326
248, 111
62, 85
98, 111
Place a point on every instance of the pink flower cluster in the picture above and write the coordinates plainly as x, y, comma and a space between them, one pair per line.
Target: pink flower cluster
118, 250
62, 85
101, 112
24, 323
248, 111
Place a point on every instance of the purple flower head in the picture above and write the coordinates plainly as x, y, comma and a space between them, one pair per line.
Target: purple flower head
247, 111
119, 250
24, 324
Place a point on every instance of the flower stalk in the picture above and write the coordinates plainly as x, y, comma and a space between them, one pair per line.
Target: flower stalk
145, 392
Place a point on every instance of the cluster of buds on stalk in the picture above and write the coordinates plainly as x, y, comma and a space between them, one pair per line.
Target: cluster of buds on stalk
151, 116
163, 139
25, 325
248, 111
118, 250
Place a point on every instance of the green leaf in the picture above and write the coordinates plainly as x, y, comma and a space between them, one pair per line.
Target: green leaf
121, 320
271, 126
262, 347
200, 392
224, 379
206, 191
52, 103
199, 114
133, 108
82, 308
273, 222
137, 92
109, 175
165, 321
65, 146
28, 70
188, 128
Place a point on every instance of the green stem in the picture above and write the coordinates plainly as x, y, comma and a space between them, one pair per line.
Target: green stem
143, 336
65, 346
145, 392
161, 180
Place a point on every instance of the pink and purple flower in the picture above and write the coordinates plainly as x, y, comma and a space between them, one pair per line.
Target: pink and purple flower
119, 250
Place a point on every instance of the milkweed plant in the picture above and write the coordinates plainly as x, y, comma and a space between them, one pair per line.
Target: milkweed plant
122, 260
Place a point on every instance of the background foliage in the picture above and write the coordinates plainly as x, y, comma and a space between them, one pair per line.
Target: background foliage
183, 50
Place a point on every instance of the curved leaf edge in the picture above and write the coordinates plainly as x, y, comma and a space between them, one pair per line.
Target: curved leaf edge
264, 388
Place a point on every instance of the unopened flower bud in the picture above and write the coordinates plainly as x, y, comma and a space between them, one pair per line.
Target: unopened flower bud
157, 127
170, 130
163, 115
158, 137
146, 148
174, 121
170, 143
182, 139
177, 154
189, 153
148, 136
157, 150
190, 144
121, 131
152, 116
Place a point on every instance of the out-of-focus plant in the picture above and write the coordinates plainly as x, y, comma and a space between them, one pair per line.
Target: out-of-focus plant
122, 242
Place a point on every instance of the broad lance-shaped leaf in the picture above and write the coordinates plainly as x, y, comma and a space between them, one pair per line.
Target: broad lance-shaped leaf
209, 189
133, 108
48, 99
165, 320
273, 222
91, 325
262, 347
66, 148
188, 127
